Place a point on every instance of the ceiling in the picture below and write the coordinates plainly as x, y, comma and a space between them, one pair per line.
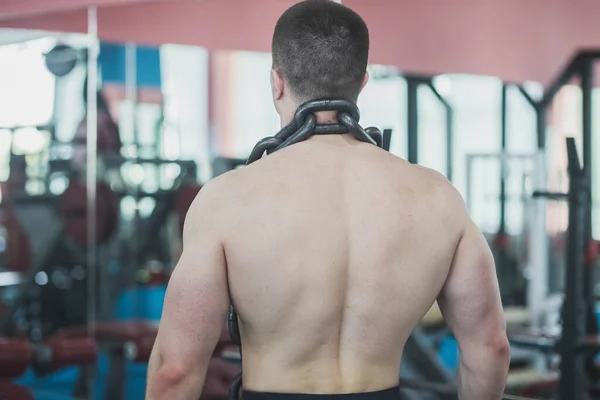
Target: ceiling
516, 40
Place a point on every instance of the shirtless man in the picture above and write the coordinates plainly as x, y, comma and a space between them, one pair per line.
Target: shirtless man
331, 251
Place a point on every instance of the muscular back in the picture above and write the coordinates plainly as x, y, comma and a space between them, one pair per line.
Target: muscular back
335, 250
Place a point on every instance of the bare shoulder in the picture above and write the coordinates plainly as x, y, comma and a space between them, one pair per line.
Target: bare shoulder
439, 188
211, 203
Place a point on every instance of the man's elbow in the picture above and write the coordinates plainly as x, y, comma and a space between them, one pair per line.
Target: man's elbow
500, 348
171, 375
172, 379
490, 350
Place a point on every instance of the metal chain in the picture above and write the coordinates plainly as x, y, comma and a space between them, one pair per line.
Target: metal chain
304, 125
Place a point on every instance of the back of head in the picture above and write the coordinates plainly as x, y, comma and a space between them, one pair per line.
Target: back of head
321, 48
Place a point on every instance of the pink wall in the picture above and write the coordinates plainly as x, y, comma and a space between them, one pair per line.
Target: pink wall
13, 8
514, 39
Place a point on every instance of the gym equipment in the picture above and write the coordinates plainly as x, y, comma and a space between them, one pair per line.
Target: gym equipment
577, 344
581, 68
58, 352
15, 255
413, 82
54, 284
221, 165
446, 389
151, 236
58, 301
122, 341
386, 139
515, 171
579, 323
544, 389
17, 355
61, 60
421, 362
573, 382
132, 341
73, 210
301, 128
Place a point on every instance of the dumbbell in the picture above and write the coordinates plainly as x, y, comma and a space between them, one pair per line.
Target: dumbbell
58, 353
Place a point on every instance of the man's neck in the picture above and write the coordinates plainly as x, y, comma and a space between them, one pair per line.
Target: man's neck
327, 117
323, 117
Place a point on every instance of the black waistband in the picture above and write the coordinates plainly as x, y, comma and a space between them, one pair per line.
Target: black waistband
388, 394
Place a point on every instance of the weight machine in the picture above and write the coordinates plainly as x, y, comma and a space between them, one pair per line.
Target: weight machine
578, 342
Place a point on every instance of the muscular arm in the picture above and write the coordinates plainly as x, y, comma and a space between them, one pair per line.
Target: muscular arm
194, 310
471, 306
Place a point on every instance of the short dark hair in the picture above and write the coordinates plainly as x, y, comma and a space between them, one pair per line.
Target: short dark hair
322, 49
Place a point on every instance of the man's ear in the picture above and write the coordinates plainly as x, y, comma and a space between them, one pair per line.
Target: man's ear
276, 84
365, 80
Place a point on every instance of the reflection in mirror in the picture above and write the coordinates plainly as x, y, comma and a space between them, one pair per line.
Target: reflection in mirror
152, 155
43, 274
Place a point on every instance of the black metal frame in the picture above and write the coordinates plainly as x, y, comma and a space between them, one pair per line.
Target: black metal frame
580, 66
221, 165
578, 317
54, 247
578, 320
501, 252
412, 120
503, 141
574, 351
573, 379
